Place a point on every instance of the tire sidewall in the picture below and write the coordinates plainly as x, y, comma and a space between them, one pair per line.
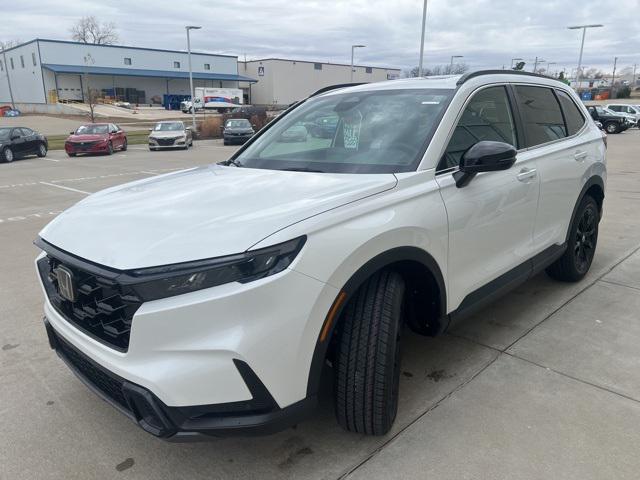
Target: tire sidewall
9, 158
586, 203
42, 150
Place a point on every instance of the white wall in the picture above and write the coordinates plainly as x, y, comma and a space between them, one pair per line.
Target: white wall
26, 82
62, 53
287, 81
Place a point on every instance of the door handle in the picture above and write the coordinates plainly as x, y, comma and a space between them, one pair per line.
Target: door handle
526, 173
579, 156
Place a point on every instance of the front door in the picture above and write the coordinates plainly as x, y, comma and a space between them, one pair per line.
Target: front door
491, 219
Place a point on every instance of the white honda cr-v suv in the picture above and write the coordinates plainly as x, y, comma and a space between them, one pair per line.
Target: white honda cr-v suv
208, 301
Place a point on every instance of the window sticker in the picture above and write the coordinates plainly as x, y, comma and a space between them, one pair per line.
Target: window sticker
351, 130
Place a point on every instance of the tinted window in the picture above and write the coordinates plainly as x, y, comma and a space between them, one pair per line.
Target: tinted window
615, 108
572, 114
541, 115
17, 133
26, 131
486, 117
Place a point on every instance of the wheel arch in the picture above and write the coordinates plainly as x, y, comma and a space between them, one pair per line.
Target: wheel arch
415, 265
593, 187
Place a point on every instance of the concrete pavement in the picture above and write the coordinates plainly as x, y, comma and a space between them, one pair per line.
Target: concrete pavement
542, 384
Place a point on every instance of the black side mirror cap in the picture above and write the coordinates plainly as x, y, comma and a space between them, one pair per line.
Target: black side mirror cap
484, 156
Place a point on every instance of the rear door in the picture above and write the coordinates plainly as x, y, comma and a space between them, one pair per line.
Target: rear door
18, 142
554, 130
491, 219
30, 139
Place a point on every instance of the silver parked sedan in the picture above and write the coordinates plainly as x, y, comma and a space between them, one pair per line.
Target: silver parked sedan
170, 134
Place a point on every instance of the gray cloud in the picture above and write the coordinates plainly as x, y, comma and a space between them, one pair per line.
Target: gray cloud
487, 33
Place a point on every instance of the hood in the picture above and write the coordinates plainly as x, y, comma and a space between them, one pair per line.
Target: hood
88, 138
167, 134
199, 213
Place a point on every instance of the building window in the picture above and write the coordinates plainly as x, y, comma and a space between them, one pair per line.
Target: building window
12, 66
1, 66
207, 66
22, 60
33, 59
127, 61
317, 66
369, 69
176, 64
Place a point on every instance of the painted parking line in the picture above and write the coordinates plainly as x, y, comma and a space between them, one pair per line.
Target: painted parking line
50, 159
30, 216
65, 188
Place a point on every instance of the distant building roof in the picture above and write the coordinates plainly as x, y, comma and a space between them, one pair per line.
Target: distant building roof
312, 61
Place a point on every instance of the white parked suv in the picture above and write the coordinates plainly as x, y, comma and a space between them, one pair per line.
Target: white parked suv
630, 111
209, 301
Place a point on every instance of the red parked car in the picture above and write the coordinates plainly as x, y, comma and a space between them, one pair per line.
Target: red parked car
96, 138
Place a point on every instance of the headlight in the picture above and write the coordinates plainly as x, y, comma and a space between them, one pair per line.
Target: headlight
175, 279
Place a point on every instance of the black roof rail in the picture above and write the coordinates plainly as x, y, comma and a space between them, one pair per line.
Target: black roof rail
479, 73
335, 87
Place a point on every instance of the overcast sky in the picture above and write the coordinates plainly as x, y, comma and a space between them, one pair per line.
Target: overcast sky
487, 32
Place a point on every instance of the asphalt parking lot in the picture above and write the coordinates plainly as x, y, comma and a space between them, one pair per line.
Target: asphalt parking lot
543, 384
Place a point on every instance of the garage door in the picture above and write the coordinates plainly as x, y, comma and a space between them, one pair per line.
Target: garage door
69, 87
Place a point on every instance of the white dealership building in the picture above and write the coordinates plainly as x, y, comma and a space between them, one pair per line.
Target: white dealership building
48, 71
282, 81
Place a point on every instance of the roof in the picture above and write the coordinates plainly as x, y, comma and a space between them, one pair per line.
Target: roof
138, 72
118, 46
311, 61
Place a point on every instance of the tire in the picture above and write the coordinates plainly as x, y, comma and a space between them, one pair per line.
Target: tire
42, 150
611, 127
7, 155
110, 150
124, 145
581, 246
367, 366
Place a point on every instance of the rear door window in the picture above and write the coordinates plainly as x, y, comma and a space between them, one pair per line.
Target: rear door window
541, 115
572, 114
487, 116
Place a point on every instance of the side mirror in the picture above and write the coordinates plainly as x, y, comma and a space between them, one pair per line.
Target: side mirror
484, 156
72, 133
150, 129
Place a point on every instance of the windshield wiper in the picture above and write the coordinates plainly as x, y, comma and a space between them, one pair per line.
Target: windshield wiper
233, 162
301, 169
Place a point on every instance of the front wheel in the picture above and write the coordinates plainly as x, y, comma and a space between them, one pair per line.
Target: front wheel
7, 155
367, 366
124, 145
611, 127
581, 246
42, 150
110, 149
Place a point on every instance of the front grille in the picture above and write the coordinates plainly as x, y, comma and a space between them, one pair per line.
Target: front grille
83, 144
165, 142
101, 379
102, 308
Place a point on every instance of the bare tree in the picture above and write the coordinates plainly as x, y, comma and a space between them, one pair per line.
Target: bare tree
448, 69
7, 44
91, 98
89, 30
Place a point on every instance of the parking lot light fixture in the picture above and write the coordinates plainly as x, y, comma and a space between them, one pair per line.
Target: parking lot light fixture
353, 47
193, 105
451, 62
584, 31
515, 59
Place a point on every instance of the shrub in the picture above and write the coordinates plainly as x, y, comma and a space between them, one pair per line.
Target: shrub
210, 127
624, 92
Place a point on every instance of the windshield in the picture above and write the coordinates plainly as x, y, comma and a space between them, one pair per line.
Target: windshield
168, 127
92, 129
381, 131
4, 133
238, 123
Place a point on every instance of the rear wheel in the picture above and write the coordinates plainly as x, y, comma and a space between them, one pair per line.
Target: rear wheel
581, 246
612, 127
367, 367
124, 145
7, 155
42, 150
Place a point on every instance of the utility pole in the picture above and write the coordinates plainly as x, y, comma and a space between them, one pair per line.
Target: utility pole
584, 32
6, 67
513, 60
613, 76
633, 82
535, 64
424, 23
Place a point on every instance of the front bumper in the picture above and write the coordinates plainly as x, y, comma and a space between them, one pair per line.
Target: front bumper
237, 139
99, 148
167, 143
260, 415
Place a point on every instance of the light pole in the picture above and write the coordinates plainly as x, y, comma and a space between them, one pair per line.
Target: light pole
353, 47
536, 62
424, 24
193, 99
633, 82
513, 60
584, 32
6, 67
451, 62
613, 76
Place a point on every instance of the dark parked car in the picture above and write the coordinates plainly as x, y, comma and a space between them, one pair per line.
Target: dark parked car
18, 142
611, 122
237, 131
324, 127
96, 138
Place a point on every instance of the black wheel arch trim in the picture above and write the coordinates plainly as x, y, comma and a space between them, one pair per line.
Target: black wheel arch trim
384, 259
594, 180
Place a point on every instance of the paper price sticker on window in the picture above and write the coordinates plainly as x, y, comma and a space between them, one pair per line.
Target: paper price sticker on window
351, 130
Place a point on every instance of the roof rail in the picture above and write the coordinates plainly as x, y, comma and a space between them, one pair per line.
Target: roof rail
335, 87
479, 73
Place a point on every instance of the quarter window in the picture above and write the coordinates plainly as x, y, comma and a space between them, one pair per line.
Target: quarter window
572, 115
541, 115
486, 117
